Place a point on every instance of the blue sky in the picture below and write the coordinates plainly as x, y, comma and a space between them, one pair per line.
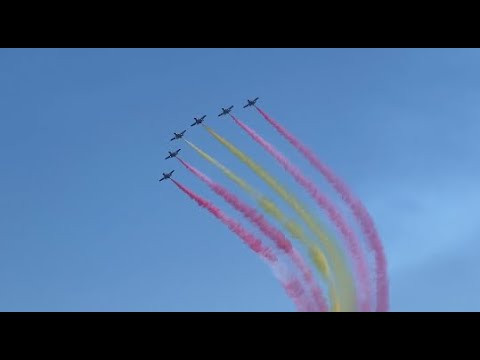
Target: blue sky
85, 225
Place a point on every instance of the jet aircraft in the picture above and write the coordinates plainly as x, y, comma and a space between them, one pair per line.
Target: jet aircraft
251, 102
226, 111
198, 121
172, 154
177, 136
167, 175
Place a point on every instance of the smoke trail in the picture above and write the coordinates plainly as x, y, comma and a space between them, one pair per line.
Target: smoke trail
293, 228
357, 208
271, 232
226, 171
310, 281
291, 286
353, 244
343, 279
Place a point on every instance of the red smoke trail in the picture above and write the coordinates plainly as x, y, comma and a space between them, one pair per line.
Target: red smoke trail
357, 208
309, 279
353, 245
291, 286
270, 231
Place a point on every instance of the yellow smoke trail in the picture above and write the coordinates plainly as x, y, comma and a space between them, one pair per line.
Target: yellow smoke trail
344, 280
295, 230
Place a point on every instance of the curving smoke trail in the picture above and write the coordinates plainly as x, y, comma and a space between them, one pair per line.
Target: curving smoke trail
293, 228
357, 208
353, 245
343, 278
291, 286
271, 232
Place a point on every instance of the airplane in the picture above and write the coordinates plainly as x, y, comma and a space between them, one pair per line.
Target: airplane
177, 136
198, 121
251, 102
172, 154
167, 176
226, 111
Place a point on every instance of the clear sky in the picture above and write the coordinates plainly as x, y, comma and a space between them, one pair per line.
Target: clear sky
86, 226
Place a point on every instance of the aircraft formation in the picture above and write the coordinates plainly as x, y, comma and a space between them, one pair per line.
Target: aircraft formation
351, 282
198, 121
